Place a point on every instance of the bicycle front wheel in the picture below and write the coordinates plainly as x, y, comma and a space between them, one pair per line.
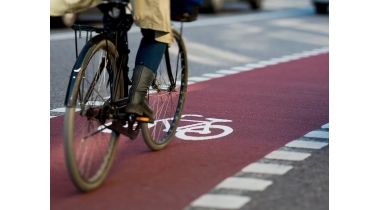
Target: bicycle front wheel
167, 95
89, 147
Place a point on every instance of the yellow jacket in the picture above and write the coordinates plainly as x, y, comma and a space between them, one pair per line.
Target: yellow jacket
148, 14
154, 14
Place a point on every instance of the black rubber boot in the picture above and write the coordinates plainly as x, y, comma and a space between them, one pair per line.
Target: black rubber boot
142, 78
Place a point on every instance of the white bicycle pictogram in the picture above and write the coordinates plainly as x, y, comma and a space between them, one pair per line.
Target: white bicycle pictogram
200, 127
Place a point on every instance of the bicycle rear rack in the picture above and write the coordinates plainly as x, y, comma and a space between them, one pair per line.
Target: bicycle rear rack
89, 29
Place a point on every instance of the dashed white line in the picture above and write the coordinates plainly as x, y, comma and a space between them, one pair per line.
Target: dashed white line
198, 79
291, 57
221, 201
213, 75
267, 168
95, 103
318, 134
242, 183
227, 71
241, 68
286, 155
325, 126
267, 62
62, 109
306, 144
255, 65
278, 60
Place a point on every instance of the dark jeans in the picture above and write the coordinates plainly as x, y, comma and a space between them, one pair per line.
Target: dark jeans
150, 52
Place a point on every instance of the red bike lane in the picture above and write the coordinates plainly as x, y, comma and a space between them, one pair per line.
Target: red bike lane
267, 108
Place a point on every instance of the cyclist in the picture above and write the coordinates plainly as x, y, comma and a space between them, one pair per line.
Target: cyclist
153, 17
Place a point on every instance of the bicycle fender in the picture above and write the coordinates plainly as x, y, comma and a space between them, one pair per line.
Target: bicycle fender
69, 100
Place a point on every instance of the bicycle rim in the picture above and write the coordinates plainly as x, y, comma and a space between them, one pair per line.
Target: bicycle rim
89, 147
167, 103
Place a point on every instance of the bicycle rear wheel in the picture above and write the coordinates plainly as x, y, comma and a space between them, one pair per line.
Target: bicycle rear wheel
167, 95
89, 147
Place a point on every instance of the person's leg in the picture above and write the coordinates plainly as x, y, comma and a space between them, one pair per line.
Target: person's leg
148, 59
150, 51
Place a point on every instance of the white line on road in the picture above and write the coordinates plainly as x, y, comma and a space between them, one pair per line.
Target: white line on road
227, 71
241, 68
256, 65
213, 75
325, 126
198, 79
286, 155
267, 168
306, 144
318, 134
221, 201
243, 183
62, 109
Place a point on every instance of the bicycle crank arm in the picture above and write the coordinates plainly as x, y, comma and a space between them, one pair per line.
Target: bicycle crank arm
117, 126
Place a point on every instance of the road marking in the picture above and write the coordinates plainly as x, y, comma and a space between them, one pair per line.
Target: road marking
62, 109
227, 71
221, 201
203, 60
325, 126
256, 65
213, 75
236, 30
267, 168
318, 134
306, 144
198, 79
95, 103
52, 116
301, 24
300, 37
292, 57
241, 68
267, 62
242, 183
286, 155
221, 54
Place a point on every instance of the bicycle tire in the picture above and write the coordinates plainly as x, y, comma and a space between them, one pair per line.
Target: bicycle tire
89, 150
167, 103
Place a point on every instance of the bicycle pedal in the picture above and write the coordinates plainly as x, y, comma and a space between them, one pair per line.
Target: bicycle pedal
144, 119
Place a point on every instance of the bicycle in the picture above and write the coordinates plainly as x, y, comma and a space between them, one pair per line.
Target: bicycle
97, 94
